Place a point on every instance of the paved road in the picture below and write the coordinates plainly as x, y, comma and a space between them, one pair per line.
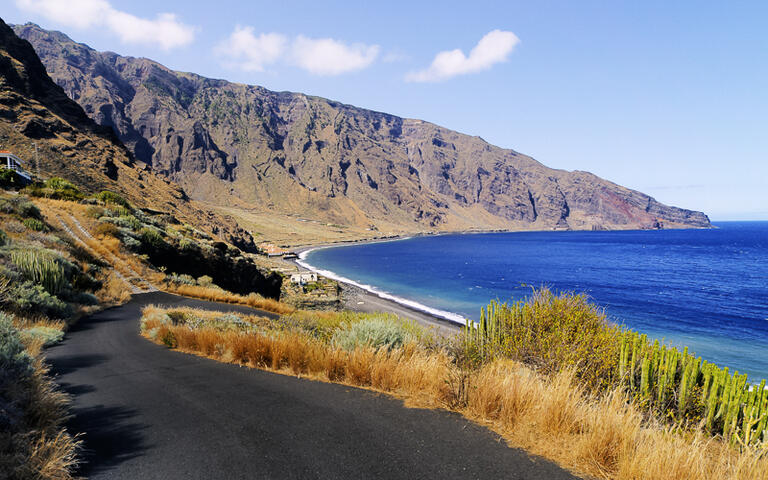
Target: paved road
147, 412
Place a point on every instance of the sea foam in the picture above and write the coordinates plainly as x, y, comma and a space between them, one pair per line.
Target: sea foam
453, 317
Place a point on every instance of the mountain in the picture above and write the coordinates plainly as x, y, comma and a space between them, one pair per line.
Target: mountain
53, 134
288, 153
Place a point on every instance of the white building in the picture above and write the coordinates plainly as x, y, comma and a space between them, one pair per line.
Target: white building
304, 277
9, 161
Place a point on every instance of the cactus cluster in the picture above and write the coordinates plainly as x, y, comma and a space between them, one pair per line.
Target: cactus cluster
565, 331
44, 267
690, 389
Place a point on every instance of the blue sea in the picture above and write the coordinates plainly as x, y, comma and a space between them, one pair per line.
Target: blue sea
705, 289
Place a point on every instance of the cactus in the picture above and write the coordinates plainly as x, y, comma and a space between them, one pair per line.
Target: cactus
645, 373
44, 267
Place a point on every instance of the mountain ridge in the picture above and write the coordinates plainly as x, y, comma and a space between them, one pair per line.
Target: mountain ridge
252, 148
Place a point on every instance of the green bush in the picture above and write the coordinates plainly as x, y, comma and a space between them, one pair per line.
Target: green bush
48, 335
127, 221
95, 211
31, 298
56, 188
3, 238
108, 197
106, 229
10, 179
15, 362
35, 224
20, 206
182, 279
85, 298
185, 244
377, 332
151, 238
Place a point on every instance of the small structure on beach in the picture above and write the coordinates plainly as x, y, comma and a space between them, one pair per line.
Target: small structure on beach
304, 277
9, 161
271, 250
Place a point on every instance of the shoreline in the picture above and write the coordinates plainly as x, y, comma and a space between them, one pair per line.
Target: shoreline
357, 298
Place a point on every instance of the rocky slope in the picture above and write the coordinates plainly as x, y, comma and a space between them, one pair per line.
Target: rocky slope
233, 144
39, 121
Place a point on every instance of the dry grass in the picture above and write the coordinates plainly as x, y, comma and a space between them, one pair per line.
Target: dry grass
223, 296
42, 449
114, 291
551, 416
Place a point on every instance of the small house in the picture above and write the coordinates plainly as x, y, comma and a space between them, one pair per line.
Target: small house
303, 278
271, 250
9, 161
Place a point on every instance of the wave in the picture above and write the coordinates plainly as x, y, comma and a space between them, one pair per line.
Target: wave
450, 316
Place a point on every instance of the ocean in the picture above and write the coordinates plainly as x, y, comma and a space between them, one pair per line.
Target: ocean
705, 289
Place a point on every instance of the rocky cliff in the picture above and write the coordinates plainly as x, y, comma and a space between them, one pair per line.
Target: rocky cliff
234, 144
53, 134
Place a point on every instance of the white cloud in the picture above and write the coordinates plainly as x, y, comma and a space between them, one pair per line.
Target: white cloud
322, 56
252, 53
325, 56
493, 48
165, 31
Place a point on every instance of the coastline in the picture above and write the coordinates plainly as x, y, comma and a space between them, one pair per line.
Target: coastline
364, 298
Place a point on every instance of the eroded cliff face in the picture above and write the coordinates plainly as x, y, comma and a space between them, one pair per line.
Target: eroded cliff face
35, 110
234, 144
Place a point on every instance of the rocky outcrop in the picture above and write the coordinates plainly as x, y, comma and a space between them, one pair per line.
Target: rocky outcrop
233, 144
40, 123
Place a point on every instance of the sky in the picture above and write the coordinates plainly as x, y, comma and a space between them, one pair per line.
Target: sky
669, 98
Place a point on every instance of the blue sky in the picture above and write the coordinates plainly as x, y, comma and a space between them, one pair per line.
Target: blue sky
670, 98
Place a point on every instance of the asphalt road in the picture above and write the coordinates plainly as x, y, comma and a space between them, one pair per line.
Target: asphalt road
146, 412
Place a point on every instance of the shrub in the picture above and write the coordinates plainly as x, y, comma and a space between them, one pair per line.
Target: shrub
108, 197
15, 362
56, 188
206, 281
128, 221
35, 224
85, 298
20, 206
46, 335
9, 179
3, 238
151, 238
381, 332
28, 209
182, 279
31, 298
94, 211
185, 244
106, 229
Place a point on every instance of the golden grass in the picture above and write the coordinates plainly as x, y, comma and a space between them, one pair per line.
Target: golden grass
551, 416
42, 448
114, 291
222, 296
